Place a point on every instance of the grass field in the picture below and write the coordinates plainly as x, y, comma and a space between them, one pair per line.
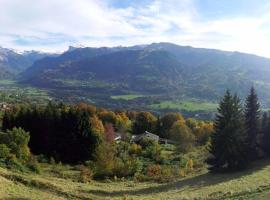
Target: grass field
185, 105
253, 183
11, 92
127, 96
7, 82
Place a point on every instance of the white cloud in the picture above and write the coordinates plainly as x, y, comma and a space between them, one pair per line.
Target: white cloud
55, 24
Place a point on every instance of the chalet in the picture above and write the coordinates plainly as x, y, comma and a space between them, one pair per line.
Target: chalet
146, 134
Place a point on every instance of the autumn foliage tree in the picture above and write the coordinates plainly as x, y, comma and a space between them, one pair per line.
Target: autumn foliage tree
167, 122
182, 135
144, 121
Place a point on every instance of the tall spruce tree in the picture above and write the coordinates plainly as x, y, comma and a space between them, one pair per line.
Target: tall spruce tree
265, 130
228, 146
252, 115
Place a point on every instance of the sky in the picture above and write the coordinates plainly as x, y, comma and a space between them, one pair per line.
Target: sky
53, 25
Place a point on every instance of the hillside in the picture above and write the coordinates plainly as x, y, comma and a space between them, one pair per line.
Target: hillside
48, 185
162, 69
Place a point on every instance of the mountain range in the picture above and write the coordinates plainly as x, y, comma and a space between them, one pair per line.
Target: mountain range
12, 63
158, 71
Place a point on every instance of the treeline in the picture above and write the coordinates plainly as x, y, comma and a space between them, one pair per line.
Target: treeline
73, 133
241, 134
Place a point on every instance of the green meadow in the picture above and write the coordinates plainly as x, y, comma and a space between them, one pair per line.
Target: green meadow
126, 97
185, 105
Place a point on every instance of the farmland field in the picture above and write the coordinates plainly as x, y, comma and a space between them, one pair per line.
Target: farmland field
11, 92
185, 105
127, 97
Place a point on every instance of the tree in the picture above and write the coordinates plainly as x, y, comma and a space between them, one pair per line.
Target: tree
15, 142
203, 132
144, 121
228, 146
265, 130
252, 115
96, 125
109, 133
167, 122
107, 117
182, 135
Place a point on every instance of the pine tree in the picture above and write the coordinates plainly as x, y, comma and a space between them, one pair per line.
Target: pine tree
252, 115
228, 146
265, 130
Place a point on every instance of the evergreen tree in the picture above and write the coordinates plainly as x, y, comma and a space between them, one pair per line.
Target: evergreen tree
252, 115
265, 130
228, 146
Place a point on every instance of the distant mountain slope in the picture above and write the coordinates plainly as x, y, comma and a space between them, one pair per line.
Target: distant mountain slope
12, 63
159, 68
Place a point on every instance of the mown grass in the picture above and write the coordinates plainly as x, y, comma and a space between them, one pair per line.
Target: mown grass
185, 105
253, 183
126, 97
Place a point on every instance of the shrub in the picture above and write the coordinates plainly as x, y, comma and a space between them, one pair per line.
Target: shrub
126, 166
86, 174
168, 171
190, 165
4, 151
135, 149
13, 163
33, 164
104, 160
154, 152
146, 142
42, 158
17, 141
153, 170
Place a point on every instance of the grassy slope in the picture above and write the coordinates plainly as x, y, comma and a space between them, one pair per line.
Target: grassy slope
250, 184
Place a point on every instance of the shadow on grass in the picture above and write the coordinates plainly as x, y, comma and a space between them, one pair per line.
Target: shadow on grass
203, 180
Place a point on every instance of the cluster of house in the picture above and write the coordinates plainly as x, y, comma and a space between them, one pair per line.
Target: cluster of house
147, 135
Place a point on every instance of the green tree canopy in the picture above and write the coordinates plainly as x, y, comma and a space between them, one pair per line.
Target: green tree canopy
228, 142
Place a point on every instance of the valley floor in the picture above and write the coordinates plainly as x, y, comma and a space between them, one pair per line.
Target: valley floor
253, 183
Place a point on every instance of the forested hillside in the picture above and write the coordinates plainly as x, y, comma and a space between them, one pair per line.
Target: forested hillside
157, 72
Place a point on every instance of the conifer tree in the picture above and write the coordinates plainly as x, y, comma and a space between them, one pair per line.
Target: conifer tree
265, 130
228, 146
252, 115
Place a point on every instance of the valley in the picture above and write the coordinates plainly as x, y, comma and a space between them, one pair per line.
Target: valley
158, 77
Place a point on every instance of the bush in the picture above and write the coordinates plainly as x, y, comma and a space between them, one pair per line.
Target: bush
4, 151
86, 174
146, 142
17, 141
13, 163
33, 164
42, 158
126, 166
154, 152
104, 160
135, 149
153, 170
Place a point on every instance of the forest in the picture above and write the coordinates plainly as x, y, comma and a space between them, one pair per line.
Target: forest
86, 135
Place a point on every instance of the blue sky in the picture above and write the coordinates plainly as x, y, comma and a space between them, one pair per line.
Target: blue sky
53, 25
